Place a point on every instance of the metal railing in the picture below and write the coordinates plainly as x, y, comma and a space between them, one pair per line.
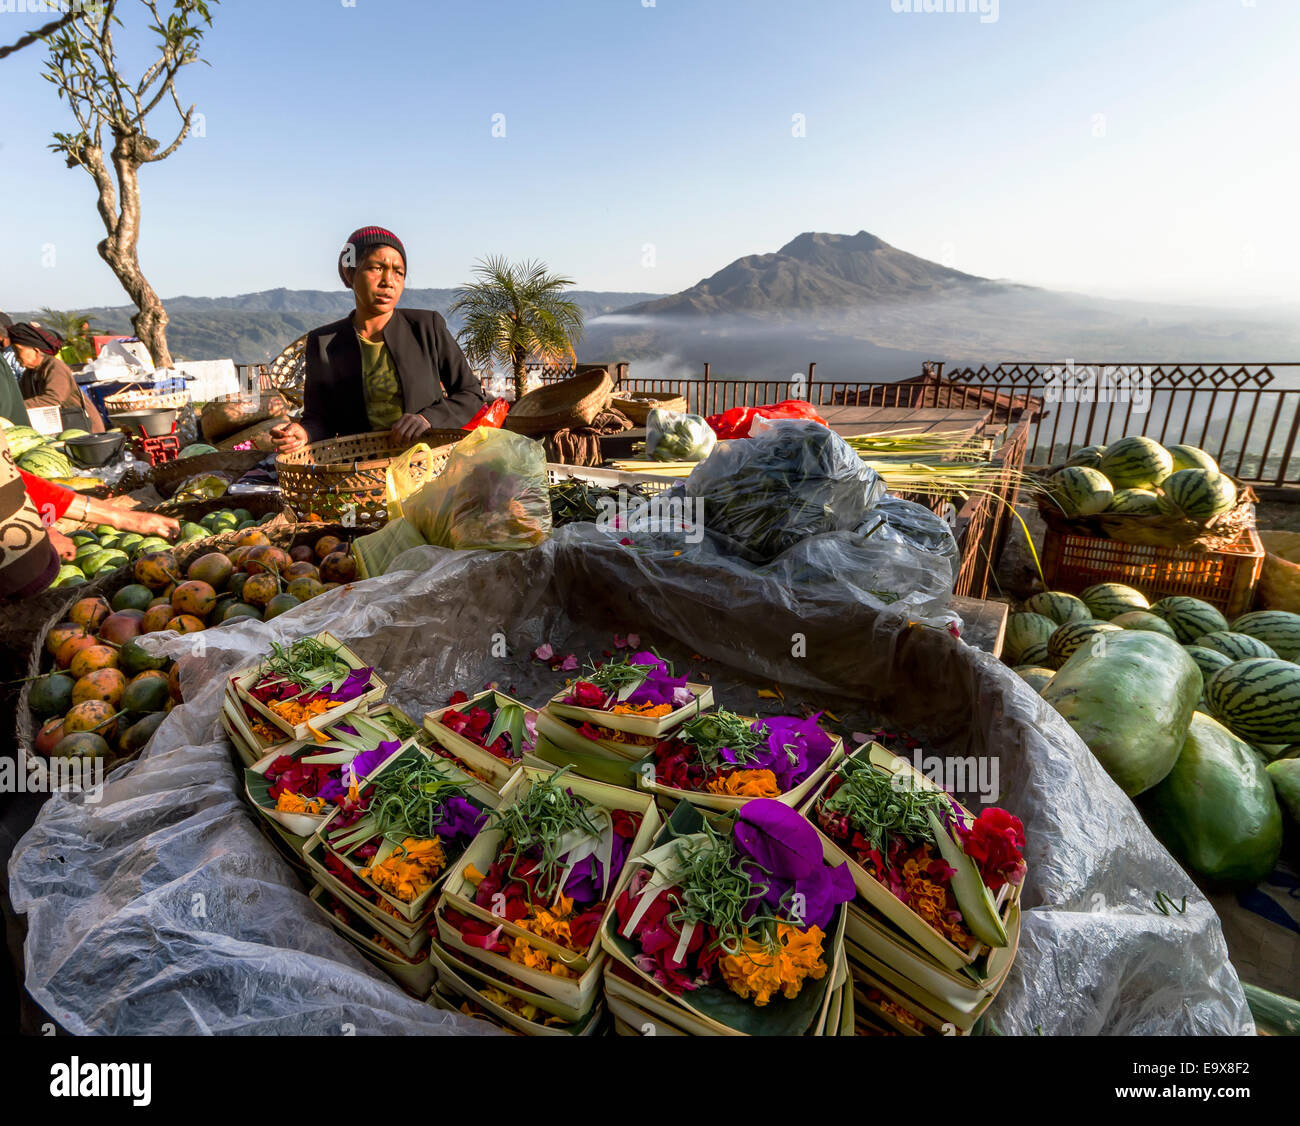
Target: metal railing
1245, 415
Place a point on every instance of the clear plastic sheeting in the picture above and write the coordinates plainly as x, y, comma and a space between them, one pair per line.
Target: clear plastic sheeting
677, 436
116, 943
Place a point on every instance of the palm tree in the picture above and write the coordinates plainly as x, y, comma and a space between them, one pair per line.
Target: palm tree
517, 313
76, 330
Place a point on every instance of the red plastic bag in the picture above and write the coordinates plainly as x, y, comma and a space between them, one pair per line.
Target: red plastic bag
489, 414
736, 422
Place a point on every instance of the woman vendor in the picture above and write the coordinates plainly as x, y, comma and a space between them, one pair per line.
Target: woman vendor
47, 381
381, 367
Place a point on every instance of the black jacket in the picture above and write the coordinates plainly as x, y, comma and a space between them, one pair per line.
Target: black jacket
436, 378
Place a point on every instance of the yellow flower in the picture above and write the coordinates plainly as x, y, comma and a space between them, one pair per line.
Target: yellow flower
746, 784
409, 869
289, 802
762, 972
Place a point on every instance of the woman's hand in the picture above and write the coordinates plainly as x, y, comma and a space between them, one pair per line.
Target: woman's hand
411, 426
66, 549
151, 524
289, 436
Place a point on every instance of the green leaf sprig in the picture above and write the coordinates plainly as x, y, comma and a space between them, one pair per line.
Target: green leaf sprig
307, 663
405, 801
879, 810
710, 732
545, 815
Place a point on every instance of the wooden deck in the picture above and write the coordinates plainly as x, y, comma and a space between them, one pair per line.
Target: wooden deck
847, 421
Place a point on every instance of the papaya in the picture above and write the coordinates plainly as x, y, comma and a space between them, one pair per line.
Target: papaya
1216, 810
1130, 697
107, 685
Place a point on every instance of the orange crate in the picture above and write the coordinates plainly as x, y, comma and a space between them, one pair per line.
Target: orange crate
1225, 578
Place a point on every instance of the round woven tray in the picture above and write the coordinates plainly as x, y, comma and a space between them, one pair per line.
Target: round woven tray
638, 409
58, 603
561, 406
345, 478
168, 476
259, 504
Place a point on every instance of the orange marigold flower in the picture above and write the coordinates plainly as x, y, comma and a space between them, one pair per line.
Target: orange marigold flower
761, 972
653, 710
746, 784
289, 802
930, 901
409, 869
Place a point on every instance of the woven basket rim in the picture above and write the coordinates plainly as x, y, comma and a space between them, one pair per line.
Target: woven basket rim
571, 402
302, 460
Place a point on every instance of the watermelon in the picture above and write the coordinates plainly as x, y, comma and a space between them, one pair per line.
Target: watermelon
1105, 600
1191, 618
1257, 699
21, 439
1191, 457
1135, 502
1036, 655
72, 434
1143, 619
1285, 775
1278, 629
46, 463
1198, 494
1089, 457
1060, 607
1235, 646
1209, 661
1216, 810
1036, 676
1131, 702
1136, 463
1070, 637
1080, 491
1024, 630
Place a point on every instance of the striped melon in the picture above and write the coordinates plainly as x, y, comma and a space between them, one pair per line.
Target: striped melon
1209, 661
1036, 676
23, 438
1238, 646
1258, 699
1036, 655
45, 462
1058, 606
1074, 635
1024, 630
1135, 502
1088, 456
1191, 457
1080, 491
1143, 619
1198, 494
1277, 629
1136, 463
1192, 618
1105, 600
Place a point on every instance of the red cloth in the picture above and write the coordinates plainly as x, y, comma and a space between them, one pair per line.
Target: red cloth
44, 493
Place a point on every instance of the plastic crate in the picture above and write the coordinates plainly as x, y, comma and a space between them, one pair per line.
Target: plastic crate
157, 451
1225, 578
651, 484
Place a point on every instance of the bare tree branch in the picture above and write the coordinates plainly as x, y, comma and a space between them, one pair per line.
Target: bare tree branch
40, 33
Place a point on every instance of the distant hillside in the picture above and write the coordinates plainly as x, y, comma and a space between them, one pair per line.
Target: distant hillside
256, 327
818, 271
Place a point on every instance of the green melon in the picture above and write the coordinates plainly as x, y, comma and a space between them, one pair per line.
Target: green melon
1106, 600
1285, 776
1136, 463
1131, 701
1069, 638
196, 450
1058, 606
1189, 617
1088, 456
1236, 646
1135, 502
1198, 494
72, 434
1257, 699
1278, 629
23, 439
1191, 457
1216, 810
1080, 491
1024, 630
47, 463
1036, 676
1143, 619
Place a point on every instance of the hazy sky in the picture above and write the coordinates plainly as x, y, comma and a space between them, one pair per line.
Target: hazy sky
1143, 147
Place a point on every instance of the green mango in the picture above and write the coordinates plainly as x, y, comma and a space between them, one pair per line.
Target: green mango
1216, 810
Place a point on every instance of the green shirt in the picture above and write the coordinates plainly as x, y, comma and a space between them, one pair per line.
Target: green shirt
383, 389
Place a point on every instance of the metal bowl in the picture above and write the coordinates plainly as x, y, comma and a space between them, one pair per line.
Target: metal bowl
155, 424
94, 449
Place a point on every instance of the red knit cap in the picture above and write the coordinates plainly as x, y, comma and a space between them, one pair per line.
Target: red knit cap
360, 243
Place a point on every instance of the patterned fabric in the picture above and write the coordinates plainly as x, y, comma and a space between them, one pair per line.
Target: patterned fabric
383, 388
28, 561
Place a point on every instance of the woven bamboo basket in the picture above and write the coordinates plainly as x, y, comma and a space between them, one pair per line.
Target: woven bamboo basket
168, 476
638, 409
125, 401
259, 504
58, 603
345, 478
560, 406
